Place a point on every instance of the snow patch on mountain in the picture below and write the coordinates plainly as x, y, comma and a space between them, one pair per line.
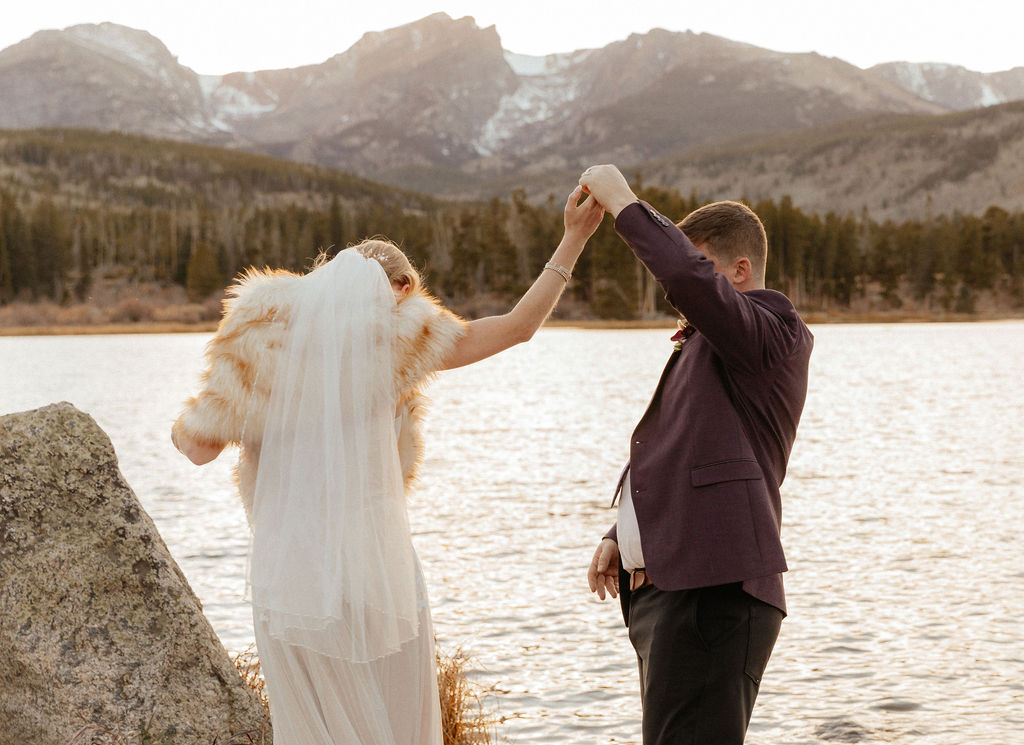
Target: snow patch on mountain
526, 65
913, 79
546, 85
538, 98
950, 85
990, 96
229, 103
208, 85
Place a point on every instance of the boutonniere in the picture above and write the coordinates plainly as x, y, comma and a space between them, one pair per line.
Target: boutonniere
685, 332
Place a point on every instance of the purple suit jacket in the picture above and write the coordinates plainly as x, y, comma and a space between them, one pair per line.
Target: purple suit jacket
709, 454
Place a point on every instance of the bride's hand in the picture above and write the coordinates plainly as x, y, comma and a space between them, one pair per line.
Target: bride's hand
198, 452
581, 219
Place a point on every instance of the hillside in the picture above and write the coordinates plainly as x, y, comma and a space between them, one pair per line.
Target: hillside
896, 167
87, 169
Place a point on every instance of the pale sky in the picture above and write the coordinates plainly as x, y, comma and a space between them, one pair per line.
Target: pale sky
221, 36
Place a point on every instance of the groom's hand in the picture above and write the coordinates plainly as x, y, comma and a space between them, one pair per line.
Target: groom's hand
603, 574
609, 187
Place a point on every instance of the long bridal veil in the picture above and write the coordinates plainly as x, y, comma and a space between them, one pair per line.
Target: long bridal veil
339, 607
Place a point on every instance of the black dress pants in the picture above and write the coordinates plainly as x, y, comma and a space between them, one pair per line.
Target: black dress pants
701, 655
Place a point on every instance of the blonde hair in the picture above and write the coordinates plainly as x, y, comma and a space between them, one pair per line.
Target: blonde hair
396, 264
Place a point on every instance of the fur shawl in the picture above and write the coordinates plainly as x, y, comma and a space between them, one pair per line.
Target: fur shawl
241, 359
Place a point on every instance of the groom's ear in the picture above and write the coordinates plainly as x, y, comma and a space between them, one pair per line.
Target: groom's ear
741, 271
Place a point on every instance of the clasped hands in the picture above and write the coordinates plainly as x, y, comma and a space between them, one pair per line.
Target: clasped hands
609, 192
608, 186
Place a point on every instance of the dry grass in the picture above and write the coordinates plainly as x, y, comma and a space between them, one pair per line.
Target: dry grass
463, 720
248, 665
107, 329
128, 315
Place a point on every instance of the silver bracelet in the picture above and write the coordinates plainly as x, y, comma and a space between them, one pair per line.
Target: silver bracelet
566, 274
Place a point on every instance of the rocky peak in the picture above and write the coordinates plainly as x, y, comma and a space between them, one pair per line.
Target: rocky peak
380, 53
128, 45
107, 45
437, 27
100, 76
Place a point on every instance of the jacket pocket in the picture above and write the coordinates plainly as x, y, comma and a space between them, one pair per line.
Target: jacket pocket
727, 470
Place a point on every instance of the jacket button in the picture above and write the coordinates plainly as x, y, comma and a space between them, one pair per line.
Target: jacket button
658, 217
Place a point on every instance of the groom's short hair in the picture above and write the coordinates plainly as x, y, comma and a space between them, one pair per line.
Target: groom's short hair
728, 231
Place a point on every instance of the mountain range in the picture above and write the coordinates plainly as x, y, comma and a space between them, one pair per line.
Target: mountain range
438, 105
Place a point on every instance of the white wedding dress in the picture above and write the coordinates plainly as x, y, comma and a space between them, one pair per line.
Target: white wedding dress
316, 698
339, 603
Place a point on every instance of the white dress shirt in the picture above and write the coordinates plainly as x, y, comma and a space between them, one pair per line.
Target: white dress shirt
631, 553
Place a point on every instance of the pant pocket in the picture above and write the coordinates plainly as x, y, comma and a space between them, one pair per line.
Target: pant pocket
720, 616
765, 622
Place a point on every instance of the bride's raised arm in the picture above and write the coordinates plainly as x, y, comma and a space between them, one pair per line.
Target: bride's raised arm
241, 356
488, 336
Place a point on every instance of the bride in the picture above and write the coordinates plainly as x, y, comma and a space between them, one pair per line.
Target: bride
318, 379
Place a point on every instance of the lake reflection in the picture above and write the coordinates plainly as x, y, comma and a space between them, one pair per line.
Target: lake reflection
902, 510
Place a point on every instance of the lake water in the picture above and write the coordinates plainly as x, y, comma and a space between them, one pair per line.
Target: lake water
903, 514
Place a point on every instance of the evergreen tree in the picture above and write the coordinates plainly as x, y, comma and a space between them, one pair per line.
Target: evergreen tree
24, 271
50, 243
203, 276
6, 277
335, 225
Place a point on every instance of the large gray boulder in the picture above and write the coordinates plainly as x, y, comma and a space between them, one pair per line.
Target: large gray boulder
100, 633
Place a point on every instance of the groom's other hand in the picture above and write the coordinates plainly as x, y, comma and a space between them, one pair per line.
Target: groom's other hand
608, 186
603, 574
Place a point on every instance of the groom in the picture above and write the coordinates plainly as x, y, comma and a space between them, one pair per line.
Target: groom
696, 551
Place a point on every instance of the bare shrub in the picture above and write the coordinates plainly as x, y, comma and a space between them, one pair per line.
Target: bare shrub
187, 313
79, 315
248, 665
463, 721
130, 310
28, 314
212, 309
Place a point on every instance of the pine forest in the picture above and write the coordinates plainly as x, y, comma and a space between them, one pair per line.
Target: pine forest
168, 223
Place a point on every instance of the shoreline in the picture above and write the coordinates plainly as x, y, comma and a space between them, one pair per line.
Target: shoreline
813, 317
